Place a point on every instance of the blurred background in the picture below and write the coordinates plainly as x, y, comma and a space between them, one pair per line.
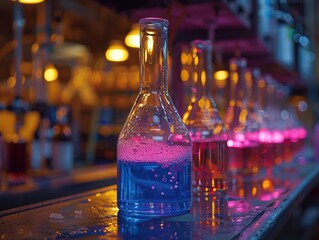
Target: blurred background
62, 90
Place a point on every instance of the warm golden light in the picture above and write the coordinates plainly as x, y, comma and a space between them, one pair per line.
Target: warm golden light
221, 75
50, 73
195, 76
184, 58
132, 39
184, 75
116, 52
234, 78
243, 116
261, 84
11, 82
150, 45
31, 1
203, 77
266, 184
189, 59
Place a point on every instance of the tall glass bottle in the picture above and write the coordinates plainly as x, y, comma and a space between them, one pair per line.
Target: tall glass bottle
205, 125
154, 148
62, 145
242, 125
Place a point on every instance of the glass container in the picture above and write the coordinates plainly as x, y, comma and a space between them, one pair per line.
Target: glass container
271, 135
242, 125
205, 125
154, 148
62, 144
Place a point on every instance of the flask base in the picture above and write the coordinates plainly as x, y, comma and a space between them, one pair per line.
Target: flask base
153, 209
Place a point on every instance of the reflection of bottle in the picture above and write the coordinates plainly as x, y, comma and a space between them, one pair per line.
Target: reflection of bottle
154, 148
210, 212
147, 228
205, 125
62, 146
243, 127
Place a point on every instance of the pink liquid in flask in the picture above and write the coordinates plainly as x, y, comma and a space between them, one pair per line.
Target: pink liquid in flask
271, 142
210, 162
243, 156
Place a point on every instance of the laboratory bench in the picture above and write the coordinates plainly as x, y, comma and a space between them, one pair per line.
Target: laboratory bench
252, 208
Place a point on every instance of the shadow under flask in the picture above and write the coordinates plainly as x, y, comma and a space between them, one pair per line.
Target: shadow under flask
154, 148
206, 127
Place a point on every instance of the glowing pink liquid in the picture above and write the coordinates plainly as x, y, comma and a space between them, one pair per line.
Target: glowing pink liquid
294, 142
210, 162
272, 148
244, 160
271, 154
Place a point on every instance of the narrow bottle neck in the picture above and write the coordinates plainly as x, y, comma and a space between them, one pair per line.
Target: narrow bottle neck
255, 94
238, 89
249, 86
202, 68
153, 55
261, 84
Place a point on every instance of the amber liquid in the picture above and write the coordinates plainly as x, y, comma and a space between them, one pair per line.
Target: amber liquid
210, 161
245, 160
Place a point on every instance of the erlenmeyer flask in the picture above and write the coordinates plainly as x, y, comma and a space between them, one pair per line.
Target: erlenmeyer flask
205, 125
274, 124
270, 135
154, 148
242, 125
293, 131
256, 98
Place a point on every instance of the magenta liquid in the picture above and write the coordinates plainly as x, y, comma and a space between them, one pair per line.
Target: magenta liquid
271, 154
154, 179
294, 142
244, 160
210, 162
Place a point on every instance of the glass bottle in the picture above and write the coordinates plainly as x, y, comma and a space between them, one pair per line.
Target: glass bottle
293, 131
154, 148
256, 88
205, 125
62, 145
274, 125
242, 125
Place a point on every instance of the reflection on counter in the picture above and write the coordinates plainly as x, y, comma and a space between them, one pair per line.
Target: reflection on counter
239, 213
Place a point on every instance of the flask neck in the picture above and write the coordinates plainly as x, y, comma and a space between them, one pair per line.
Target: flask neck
238, 89
261, 90
256, 93
153, 54
202, 68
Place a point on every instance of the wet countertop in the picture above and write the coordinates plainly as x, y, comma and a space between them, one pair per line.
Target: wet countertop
255, 208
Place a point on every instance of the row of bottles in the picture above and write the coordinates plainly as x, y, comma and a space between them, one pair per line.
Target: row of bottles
154, 146
40, 143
